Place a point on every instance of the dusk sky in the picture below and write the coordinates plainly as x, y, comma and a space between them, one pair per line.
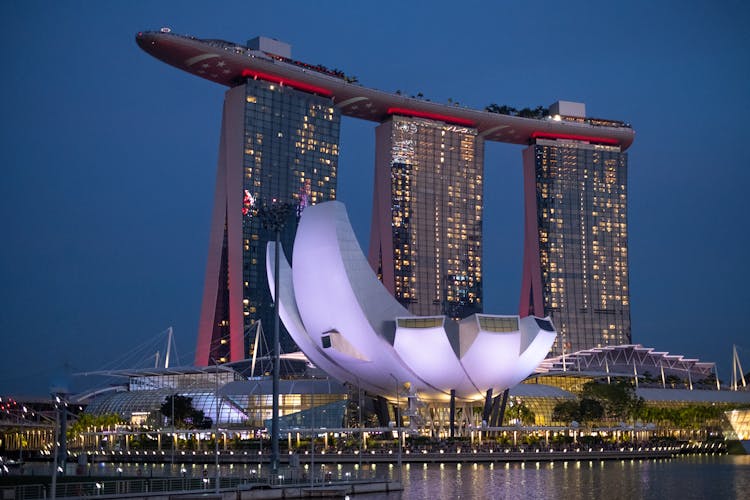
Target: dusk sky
108, 155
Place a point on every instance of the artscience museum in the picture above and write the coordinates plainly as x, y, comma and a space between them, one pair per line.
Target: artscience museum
347, 324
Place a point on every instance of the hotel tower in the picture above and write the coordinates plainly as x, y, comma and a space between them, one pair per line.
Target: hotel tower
576, 233
278, 144
426, 233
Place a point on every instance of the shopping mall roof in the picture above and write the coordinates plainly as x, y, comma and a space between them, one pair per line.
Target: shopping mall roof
695, 396
628, 360
539, 391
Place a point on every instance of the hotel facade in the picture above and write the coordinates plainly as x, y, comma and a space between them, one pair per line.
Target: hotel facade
426, 233
576, 239
277, 143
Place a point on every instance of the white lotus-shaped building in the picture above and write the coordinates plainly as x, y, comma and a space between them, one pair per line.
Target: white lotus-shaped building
348, 325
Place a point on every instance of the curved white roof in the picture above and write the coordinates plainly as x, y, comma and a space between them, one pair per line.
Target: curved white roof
347, 323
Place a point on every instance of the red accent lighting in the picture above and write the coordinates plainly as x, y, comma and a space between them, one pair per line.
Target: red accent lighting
547, 135
283, 81
431, 116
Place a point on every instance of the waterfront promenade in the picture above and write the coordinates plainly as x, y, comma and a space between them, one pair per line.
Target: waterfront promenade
391, 456
427, 454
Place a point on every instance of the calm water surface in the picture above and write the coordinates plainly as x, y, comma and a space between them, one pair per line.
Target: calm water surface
699, 477
689, 477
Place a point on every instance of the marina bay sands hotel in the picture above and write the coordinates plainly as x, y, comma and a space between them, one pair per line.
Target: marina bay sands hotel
280, 142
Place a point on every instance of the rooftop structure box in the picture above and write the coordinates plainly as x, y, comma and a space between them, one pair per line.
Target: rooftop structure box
270, 45
568, 108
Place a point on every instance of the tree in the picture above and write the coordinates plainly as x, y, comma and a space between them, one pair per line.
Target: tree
87, 421
673, 381
501, 110
708, 382
508, 110
518, 412
648, 377
566, 411
185, 415
540, 112
618, 400
590, 410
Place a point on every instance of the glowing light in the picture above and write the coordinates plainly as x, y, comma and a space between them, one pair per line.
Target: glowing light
248, 202
432, 116
573, 137
248, 73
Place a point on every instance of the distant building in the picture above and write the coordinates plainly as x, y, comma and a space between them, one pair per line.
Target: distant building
215, 391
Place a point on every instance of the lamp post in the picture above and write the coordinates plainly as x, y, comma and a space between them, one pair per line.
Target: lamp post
398, 424
216, 436
53, 487
312, 438
361, 425
217, 477
274, 218
174, 436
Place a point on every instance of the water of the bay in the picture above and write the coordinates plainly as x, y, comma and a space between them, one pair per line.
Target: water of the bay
693, 477
684, 478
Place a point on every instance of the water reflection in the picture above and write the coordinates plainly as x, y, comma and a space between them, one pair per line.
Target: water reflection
701, 476
690, 477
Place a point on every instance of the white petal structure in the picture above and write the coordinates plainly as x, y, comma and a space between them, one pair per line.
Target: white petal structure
348, 325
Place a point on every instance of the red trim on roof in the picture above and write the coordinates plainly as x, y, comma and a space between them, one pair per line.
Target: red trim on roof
548, 135
431, 116
247, 73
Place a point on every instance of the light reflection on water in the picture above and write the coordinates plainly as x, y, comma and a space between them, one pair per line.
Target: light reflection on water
684, 478
698, 477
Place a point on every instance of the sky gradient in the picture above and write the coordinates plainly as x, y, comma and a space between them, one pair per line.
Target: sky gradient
108, 155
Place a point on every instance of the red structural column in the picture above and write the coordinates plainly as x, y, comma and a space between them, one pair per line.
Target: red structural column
227, 212
531, 281
381, 228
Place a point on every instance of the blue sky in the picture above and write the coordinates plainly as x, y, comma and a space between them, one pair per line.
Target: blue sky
108, 155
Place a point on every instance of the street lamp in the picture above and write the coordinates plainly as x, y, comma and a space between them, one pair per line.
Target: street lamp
361, 425
174, 436
60, 446
398, 424
216, 425
312, 437
274, 218
53, 487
